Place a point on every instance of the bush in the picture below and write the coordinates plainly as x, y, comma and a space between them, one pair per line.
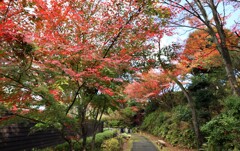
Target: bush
62, 147
112, 144
223, 131
232, 106
113, 123
174, 126
151, 107
100, 138
153, 119
181, 113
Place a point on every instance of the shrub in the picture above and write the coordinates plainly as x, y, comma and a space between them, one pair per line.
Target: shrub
62, 147
232, 106
223, 131
100, 138
153, 119
112, 144
181, 113
113, 123
151, 107
174, 126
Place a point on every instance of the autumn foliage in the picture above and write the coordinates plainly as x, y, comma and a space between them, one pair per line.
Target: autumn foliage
201, 51
60, 59
48, 46
148, 86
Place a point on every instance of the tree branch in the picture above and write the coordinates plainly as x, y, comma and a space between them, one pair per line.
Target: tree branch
75, 97
120, 31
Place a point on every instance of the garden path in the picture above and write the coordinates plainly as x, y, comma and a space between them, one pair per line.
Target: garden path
141, 143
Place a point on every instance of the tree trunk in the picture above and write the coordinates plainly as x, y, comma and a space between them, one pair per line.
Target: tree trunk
219, 41
190, 100
83, 130
229, 69
71, 146
84, 137
191, 104
64, 135
96, 124
193, 110
93, 141
224, 52
222, 48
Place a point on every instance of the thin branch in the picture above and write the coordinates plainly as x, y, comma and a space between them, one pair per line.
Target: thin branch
120, 31
75, 97
5, 14
185, 26
204, 20
12, 79
187, 31
237, 34
28, 118
30, 64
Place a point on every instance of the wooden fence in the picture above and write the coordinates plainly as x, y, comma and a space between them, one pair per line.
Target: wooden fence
17, 137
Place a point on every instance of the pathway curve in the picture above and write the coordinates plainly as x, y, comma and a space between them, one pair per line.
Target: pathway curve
140, 143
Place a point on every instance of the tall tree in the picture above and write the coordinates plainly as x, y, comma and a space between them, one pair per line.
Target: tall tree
211, 16
168, 69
